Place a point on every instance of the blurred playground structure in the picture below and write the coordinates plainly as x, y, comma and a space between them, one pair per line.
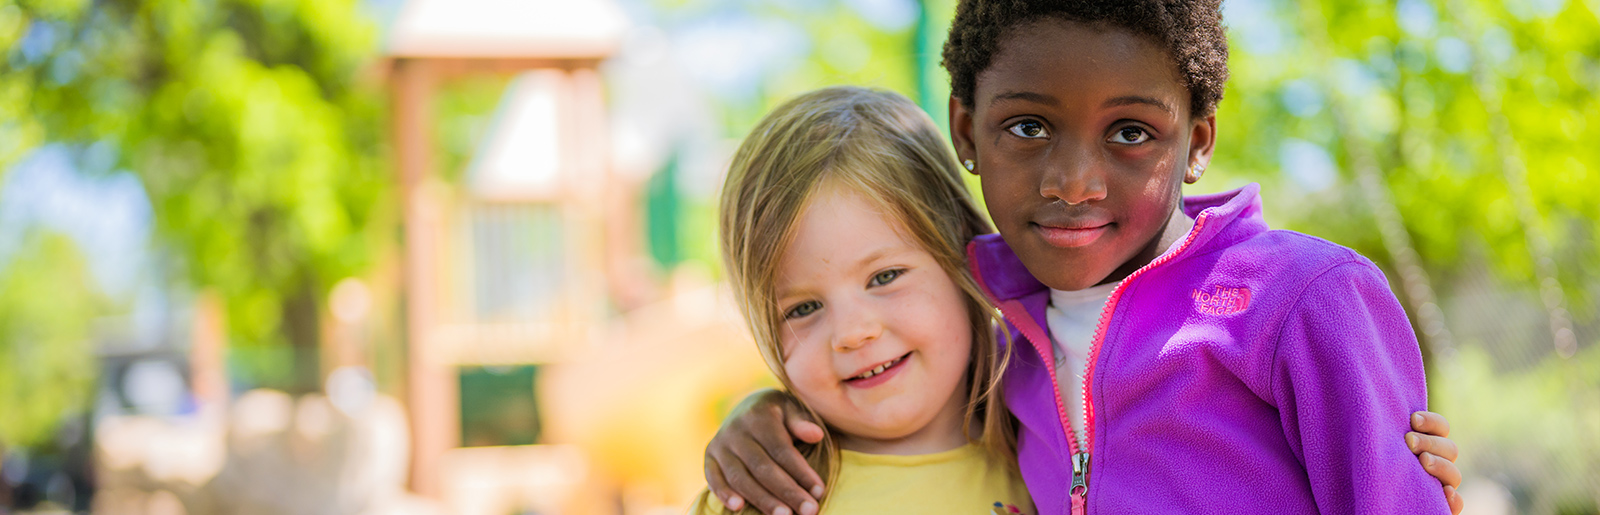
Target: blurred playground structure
457, 256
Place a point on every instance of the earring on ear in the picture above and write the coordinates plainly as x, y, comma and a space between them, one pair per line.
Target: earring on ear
969, 164
1194, 173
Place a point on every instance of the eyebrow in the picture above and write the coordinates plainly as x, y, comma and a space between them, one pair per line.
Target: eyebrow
1039, 98
876, 255
1137, 99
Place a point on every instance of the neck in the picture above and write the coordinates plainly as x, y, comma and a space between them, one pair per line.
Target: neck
941, 434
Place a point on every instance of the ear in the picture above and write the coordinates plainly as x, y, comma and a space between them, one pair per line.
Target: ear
961, 132
1202, 139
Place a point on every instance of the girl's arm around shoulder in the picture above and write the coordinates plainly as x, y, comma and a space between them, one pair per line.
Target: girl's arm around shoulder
1346, 376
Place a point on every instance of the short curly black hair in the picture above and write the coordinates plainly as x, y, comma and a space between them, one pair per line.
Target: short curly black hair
1191, 30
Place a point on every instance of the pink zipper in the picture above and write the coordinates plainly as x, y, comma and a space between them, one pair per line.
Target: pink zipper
1013, 310
1081, 465
1018, 315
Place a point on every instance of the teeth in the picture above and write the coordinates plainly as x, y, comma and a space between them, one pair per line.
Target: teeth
878, 370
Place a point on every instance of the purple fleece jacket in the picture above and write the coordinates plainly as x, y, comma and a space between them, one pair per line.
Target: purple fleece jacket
1247, 370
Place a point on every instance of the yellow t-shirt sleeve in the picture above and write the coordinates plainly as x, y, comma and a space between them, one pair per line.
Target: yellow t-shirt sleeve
707, 504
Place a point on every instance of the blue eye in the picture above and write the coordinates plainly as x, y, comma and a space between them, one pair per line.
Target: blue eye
802, 310
1029, 129
886, 277
1130, 136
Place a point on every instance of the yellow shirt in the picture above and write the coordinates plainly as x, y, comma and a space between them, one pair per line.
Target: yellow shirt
958, 481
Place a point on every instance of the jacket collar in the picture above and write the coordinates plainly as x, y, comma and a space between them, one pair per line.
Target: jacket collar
1221, 219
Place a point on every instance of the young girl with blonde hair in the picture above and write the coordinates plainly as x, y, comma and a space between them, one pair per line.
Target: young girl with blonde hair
843, 224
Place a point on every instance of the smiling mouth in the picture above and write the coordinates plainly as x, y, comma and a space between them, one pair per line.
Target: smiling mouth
881, 368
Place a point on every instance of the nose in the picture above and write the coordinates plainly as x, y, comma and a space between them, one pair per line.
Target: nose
1074, 174
859, 324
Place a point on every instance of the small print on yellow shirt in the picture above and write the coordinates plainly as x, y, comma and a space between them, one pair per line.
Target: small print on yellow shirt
960, 480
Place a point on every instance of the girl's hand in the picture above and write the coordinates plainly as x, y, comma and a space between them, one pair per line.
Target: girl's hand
753, 458
1436, 452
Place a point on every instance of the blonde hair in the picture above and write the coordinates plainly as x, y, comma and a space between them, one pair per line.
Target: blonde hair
882, 146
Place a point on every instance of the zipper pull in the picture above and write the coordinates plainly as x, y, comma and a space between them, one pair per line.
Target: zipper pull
1080, 490
1080, 469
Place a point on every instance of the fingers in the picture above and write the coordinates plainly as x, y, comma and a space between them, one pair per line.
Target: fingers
799, 422
740, 480
796, 473
775, 464
802, 427
1436, 452
1455, 500
753, 462
1441, 469
1439, 446
1430, 423
719, 485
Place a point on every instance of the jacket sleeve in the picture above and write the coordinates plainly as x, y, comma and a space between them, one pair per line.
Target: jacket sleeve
1347, 374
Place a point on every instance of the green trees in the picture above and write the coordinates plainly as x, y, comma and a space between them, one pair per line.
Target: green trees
46, 363
1404, 74
246, 121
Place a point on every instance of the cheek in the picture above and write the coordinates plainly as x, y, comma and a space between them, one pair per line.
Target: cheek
1160, 188
808, 367
1156, 185
942, 327
1005, 195
1006, 175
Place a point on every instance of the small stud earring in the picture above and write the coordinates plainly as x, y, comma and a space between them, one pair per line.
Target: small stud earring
1194, 174
969, 164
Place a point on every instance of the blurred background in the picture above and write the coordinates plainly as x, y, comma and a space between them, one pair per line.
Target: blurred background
457, 256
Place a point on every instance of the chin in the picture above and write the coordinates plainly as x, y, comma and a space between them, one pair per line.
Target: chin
1064, 271
1080, 281
1064, 285
885, 432
889, 426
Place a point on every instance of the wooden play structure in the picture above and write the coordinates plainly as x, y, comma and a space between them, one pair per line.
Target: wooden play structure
499, 272
511, 272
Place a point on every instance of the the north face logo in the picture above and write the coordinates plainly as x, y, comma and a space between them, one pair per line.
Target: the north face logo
1221, 301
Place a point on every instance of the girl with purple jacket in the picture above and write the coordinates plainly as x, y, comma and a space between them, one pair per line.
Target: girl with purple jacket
1204, 361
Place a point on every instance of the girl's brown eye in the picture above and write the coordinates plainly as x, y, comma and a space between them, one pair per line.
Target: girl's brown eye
1029, 129
1130, 136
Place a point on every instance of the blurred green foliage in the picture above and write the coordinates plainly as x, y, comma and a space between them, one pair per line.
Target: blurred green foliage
46, 362
1533, 431
247, 122
1406, 84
